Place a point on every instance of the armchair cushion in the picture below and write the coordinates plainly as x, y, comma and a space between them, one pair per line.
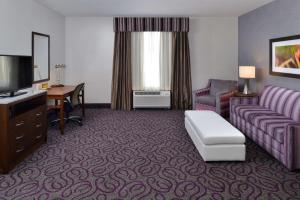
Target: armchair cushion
219, 86
207, 100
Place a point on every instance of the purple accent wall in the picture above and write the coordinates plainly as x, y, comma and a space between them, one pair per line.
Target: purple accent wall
278, 19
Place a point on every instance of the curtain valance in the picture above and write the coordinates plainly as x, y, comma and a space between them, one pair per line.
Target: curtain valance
141, 24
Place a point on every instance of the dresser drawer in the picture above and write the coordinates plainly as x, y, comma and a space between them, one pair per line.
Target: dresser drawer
38, 124
19, 135
19, 129
19, 123
26, 130
39, 113
39, 130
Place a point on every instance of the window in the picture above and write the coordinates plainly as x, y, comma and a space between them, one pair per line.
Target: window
151, 61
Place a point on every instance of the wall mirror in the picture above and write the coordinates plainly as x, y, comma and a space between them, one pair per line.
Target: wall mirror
41, 57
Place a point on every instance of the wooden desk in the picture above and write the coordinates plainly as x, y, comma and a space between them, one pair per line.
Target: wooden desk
59, 94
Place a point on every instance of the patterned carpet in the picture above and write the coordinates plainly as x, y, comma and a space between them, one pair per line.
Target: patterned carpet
141, 155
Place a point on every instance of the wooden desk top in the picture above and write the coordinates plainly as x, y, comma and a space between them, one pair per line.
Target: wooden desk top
60, 91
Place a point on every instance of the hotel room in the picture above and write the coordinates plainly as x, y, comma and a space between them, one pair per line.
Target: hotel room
161, 99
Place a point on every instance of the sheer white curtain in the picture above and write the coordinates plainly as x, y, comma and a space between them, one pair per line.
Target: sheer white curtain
151, 61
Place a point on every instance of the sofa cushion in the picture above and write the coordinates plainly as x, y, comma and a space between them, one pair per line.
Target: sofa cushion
248, 111
281, 100
273, 125
207, 100
268, 121
218, 86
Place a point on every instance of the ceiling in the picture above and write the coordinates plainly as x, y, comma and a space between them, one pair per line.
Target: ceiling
192, 8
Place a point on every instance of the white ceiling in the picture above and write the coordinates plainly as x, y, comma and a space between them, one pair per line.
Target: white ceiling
192, 8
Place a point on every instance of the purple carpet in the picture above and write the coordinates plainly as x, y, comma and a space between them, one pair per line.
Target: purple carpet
141, 155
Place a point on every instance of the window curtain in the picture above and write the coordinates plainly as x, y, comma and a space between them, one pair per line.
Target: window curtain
181, 74
122, 78
156, 24
153, 76
165, 60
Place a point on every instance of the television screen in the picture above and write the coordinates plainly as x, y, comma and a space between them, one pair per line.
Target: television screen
16, 73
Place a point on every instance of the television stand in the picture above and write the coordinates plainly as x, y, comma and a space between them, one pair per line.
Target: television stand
23, 128
12, 94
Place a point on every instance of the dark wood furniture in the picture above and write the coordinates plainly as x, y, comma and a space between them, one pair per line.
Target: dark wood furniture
59, 94
23, 129
240, 94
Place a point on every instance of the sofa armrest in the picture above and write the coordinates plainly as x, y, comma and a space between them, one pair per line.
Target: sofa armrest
292, 146
243, 101
222, 100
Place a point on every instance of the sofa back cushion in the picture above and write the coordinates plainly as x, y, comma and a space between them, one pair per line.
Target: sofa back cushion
281, 100
217, 86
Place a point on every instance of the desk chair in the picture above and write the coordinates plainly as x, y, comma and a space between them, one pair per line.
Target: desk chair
72, 103
75, 101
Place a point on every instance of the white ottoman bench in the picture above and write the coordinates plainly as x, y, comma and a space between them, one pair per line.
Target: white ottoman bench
214, 137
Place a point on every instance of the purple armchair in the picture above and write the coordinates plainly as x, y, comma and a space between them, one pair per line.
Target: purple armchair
272, 120
215, 96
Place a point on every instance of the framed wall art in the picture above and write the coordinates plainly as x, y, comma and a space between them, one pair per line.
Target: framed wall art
285, 56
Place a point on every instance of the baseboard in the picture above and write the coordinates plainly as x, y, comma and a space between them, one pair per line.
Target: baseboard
97, 105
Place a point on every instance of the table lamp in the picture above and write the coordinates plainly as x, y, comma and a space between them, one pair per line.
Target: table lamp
59, 75
246, 72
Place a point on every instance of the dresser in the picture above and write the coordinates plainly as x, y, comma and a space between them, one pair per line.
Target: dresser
23, 127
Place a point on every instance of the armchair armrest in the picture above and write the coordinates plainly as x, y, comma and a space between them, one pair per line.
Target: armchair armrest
198, 93
201, 92
222, 101
292, 146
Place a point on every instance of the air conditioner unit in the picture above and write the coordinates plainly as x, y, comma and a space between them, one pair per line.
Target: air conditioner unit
144, 99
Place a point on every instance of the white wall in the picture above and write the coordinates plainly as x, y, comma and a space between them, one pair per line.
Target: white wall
89, 56
214, 49
89, 52
19, 18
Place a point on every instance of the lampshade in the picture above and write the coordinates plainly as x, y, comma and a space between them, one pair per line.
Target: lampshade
247, 71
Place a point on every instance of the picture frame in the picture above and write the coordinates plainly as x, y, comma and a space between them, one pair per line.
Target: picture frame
285, 56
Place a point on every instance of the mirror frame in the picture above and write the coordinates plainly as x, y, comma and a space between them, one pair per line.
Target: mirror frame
32, 54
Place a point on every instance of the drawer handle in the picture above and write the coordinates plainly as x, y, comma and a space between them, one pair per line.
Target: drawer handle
20, 124
38, 125
20, 137
38, 137
38, 114
20, 150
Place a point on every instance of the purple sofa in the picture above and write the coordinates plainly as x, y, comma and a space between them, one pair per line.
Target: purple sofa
272, 120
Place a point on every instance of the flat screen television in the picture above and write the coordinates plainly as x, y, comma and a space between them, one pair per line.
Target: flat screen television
16, 73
